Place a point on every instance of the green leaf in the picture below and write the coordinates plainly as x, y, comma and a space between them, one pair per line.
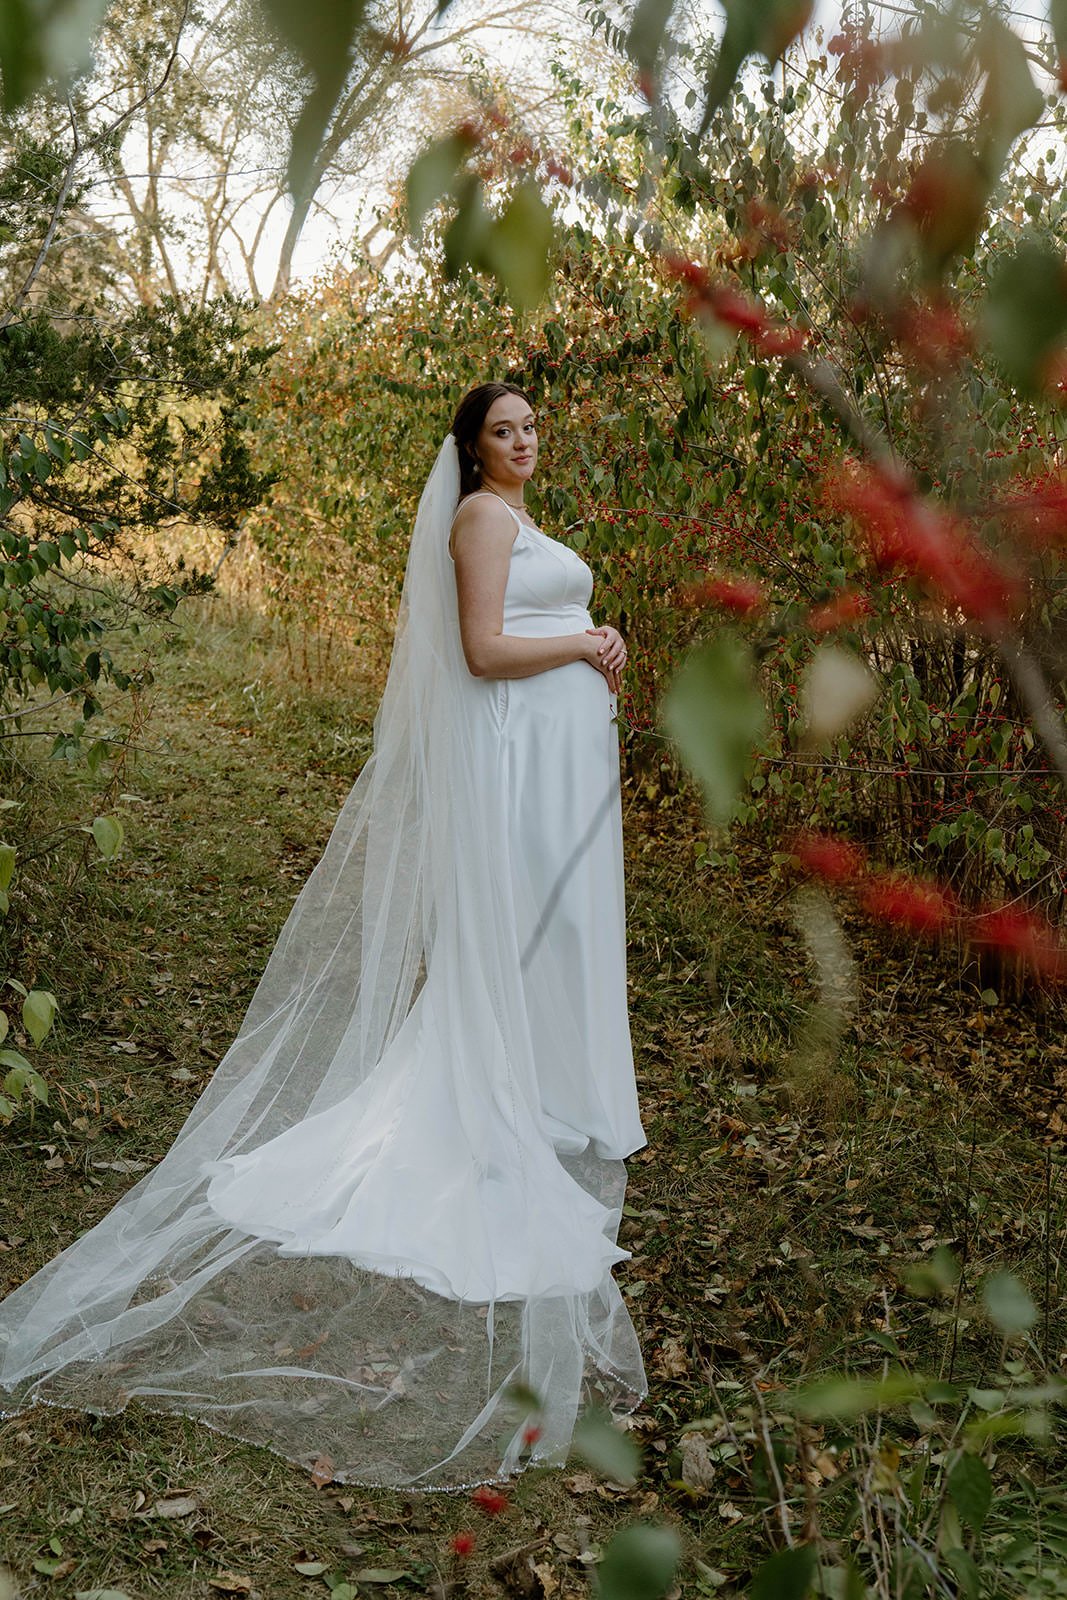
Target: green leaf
8, 854
309, 1569
381, 1575
101, 1594
647, 28
16, 1080
970, 1485
518, 246
1012, 102
786, 1576
321, 32
1025, 314
522, 1398
42, 42
466, 238
606, 1449
753, 27
639, 1563
852, 1397
841, 1583
108, 833
1058, 19
14, 1058
1008, 1303
963, 1565
714, 711
937, 1275
431, 176
38, 1013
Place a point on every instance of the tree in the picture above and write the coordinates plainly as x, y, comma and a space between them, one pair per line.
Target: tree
189, 194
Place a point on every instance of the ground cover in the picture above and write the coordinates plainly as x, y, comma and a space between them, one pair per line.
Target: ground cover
771, 1217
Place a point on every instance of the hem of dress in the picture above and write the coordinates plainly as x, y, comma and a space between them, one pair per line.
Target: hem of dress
634, 1399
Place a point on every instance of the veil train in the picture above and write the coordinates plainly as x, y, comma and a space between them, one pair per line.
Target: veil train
433, 1305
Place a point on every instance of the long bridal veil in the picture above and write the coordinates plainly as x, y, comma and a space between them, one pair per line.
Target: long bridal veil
363, 1250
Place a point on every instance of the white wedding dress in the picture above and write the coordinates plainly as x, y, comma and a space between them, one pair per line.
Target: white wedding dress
402, 1174
382, 1244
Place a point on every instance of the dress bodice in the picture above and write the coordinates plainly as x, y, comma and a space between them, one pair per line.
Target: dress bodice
549, 585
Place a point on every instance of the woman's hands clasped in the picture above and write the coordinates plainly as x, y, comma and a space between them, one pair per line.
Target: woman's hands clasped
609, 655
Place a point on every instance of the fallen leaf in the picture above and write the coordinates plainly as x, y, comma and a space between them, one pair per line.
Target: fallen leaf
231, 1583
181, 1505
55, 1569
546, 1577
671, 1359
309, 1349
322, 1471
698, 1469
581, 1483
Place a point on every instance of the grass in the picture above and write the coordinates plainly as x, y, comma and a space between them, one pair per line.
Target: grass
780, 1195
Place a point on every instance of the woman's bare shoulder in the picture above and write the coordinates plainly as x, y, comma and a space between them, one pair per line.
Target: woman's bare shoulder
485, 513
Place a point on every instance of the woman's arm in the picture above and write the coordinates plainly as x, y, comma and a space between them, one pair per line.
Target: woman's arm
481, 543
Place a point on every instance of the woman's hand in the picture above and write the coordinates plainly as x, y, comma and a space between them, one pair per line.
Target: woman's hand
610, 655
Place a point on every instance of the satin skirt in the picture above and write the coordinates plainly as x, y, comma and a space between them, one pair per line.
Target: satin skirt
441, 1166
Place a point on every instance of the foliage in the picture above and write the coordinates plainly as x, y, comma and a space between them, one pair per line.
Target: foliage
108, 431
39, 1008
112, 426
667, 472
916, 1476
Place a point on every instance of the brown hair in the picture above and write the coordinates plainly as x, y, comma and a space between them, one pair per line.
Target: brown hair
467, 425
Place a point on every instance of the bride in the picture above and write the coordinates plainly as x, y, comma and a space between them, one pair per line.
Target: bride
382, 1244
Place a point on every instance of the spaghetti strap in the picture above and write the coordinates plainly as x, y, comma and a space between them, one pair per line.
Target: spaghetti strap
496, 496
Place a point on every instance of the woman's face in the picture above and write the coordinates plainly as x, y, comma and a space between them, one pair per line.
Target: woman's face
507, 444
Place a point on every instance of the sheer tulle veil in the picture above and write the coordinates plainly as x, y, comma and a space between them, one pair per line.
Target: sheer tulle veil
393, 1009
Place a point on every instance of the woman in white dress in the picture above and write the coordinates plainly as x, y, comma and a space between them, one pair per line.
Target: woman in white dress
382, 1243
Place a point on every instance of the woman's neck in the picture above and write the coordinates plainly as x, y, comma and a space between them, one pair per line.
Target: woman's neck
511, 492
